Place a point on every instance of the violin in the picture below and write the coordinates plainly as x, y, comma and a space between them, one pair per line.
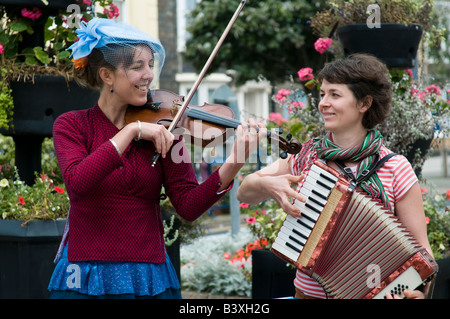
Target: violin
169, 109
208, 125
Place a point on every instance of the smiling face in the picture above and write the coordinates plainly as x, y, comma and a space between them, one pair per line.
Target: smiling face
341, 111
132, 79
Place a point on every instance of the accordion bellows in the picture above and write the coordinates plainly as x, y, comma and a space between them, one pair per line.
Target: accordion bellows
349, 243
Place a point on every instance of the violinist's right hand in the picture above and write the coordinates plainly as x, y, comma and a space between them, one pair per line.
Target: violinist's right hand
158, 134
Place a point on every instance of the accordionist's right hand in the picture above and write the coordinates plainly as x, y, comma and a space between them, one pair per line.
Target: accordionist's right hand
281, 189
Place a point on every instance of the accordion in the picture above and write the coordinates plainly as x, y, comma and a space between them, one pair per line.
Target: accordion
349, 243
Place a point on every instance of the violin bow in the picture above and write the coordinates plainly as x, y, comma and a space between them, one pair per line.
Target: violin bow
202, 74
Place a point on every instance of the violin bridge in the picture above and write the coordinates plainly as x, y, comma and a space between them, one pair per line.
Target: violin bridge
174, 108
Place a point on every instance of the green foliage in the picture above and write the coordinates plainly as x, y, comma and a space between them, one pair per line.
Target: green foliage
6, 101
264, 220
46, 199
205, 269
436, 207
269, 38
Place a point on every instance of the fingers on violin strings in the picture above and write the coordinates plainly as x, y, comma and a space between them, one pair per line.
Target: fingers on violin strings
252, 126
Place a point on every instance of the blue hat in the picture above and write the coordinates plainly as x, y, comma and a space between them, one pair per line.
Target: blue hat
102, 33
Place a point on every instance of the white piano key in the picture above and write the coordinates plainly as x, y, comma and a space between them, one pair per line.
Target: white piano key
281, 246
298, 227
307, 212
310, 195
319, 171
293, 239
297, 221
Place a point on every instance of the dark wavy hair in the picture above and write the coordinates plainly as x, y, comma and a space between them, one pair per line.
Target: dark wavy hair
365, 75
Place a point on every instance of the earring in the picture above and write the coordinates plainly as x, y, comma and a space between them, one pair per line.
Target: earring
112, 90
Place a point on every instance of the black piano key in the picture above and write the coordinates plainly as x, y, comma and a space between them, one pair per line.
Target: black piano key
295, 231
327, 178
308, 218
293, 247
304, 224
312, 199
295, 240
313, 208
319, 194
323, 185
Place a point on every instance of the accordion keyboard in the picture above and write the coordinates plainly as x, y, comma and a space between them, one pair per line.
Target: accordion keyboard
295, 231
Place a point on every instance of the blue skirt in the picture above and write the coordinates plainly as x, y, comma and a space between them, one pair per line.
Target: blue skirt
97, 278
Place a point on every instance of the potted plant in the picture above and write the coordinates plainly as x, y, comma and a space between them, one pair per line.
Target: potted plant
271, 276
31, 224
436, 206
418, 115
36, 82
390, 30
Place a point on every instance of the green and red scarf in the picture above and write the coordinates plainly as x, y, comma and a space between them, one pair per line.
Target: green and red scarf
365, 154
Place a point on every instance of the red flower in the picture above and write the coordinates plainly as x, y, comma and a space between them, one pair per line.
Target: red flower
21, 200
59, 189
251, 220
427, 220
226, 255
448, 194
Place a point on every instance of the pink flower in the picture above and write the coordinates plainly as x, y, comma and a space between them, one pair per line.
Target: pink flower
427, 220
243, 205
305, 74
448, 194
226, 255
322, 44
277, 118
113, 11
433, 89
251, 220
282, 95
409, 71
1, 49
88, 2
33, 15
423, 190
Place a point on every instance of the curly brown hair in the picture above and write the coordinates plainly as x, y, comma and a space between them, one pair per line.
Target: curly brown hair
365, 75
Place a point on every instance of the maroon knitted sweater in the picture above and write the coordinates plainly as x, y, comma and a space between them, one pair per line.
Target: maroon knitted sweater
115, 212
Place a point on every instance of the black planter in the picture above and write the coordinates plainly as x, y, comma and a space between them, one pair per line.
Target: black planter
36, 106
423, 145
59, 4
442, 285
272, 277
26, 257
394, 44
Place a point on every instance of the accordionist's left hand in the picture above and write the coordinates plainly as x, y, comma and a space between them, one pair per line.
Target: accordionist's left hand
409, 294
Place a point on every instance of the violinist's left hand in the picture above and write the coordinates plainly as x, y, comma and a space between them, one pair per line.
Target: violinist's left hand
248, 135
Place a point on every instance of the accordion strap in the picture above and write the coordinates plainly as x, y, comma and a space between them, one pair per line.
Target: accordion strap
366, 173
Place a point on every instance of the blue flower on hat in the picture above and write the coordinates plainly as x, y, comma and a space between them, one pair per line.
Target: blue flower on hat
90, 36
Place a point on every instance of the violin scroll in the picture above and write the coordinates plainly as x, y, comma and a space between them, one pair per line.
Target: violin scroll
288, 145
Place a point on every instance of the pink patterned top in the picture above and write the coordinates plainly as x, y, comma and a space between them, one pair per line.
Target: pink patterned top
115, 212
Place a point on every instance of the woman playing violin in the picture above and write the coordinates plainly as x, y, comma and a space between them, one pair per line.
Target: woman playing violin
113, 244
